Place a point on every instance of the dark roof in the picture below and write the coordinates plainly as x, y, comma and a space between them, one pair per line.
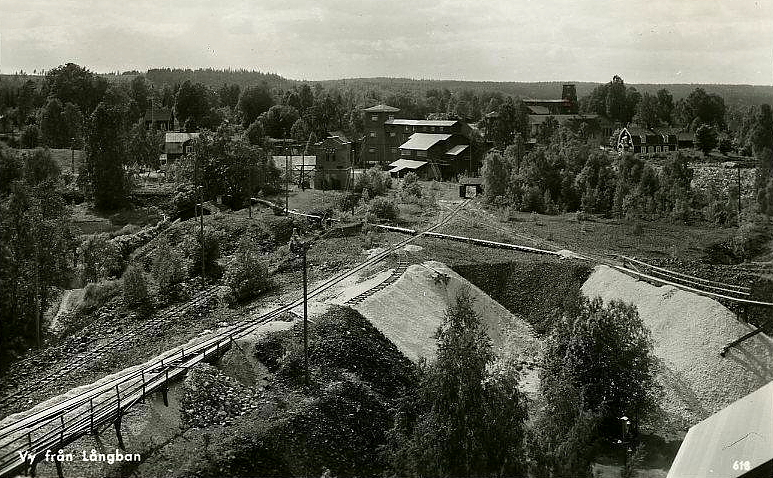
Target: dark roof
539, 119
382, 108
158, 114
539, 110
740, 432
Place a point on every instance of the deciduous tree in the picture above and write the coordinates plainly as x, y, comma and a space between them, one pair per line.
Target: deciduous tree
253, 102
103, 170
466, 419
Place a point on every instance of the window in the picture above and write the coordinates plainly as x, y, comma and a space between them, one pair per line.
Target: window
666, 149
405, 152
651, 149
391, 117
407, 129
374, 118
433, 129
394, 150
371, 150
421, 154
392, 134
657, 149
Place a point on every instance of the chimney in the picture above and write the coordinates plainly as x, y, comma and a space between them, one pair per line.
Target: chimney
569, 93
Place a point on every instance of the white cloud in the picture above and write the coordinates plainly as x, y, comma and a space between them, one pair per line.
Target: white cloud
518, 40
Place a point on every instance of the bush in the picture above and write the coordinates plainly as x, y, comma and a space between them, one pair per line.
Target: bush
102, 259
135, 289
411, 187
211, 254
184, 202
383, 208
30, 137
246, 275
374, 180
95, 295
167, 268
348, 201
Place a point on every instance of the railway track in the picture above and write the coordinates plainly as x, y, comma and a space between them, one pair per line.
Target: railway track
402, 266
104, 404
115, 344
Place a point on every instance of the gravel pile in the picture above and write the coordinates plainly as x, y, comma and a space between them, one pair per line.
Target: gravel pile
212, 398
410, 311
689, 331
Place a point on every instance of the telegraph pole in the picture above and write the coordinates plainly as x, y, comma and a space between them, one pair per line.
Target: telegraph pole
287, 181
72, 157
201, 229
299, 248
738, 180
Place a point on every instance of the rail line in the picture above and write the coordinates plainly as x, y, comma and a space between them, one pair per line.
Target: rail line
105, 403
56, 426
402, 266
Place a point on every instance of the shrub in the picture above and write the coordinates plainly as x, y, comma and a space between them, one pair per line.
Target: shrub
347, 201
135, 290
97, 294
411, 186
30, 137
246, 275
374, 180
102, 259
211, 254
167, 268
383, 208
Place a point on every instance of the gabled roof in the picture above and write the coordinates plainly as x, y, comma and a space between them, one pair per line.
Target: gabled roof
423, 141
401, 164
179, 137
306, 162
382, 108
539, 110
537, 100
340, 135
456, 149
411, 122
741, 432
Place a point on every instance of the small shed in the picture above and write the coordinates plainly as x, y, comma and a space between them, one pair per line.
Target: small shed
737, 441
470, 187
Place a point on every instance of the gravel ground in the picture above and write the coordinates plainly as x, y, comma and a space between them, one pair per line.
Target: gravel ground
410, 311
689, 331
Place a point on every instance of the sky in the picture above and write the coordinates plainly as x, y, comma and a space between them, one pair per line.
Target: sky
643, 41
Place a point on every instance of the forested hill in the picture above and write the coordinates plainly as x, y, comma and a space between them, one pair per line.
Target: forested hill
732, 94
740, 95
216, 78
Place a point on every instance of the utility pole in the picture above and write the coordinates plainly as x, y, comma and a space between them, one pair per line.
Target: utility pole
738, 180
299, 248
249, 193
72, 157
201, 229
287, 181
